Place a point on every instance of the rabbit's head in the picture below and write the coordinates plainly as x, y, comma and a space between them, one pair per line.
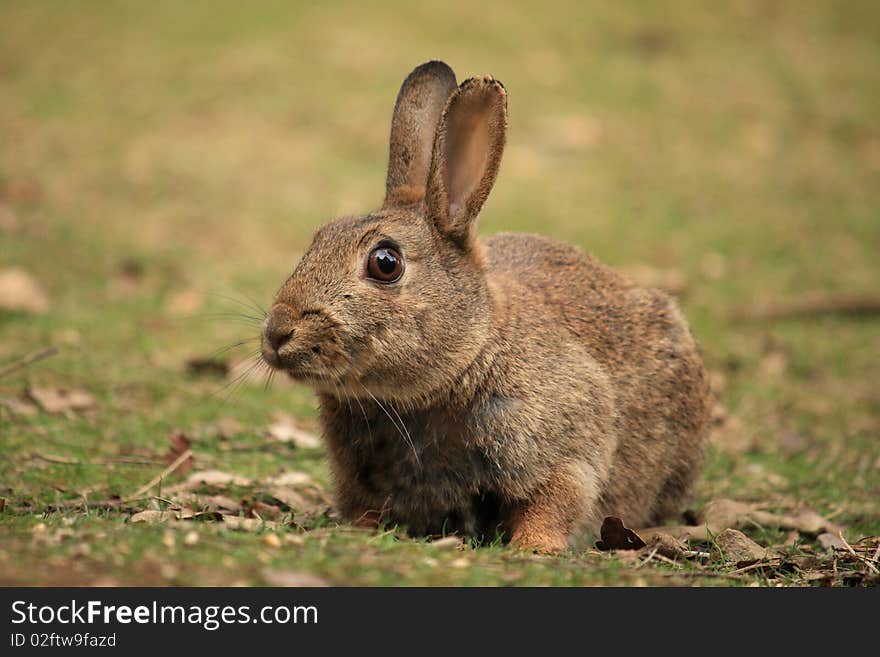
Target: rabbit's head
395, 303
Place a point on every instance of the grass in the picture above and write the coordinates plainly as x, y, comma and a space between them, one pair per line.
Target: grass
156, 161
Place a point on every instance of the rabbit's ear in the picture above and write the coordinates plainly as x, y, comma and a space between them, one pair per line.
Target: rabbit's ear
467, 153
420, 103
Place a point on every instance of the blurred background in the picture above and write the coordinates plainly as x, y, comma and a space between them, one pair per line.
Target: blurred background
162, 163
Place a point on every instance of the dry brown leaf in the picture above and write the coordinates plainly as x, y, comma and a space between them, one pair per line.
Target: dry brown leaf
829, 541
295, 478
2, 504
664, 544
292, 499
206, 502
722, 514
738, 548
18, 407
214, 479
615, 536
447, 543
248, 524
179, 444
19, 291
59, 400
285, 430
259, 509
152, 516
292, 578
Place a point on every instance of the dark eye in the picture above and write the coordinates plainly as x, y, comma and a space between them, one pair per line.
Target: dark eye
385, 264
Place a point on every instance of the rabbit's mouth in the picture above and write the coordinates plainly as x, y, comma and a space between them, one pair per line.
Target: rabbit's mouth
305, 345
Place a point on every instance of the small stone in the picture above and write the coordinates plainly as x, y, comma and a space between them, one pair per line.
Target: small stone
272, 540
191, 538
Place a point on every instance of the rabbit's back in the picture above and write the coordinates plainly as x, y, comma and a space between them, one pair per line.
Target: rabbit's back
640, 338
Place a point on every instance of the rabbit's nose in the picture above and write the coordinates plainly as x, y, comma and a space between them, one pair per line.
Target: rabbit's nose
279, 328
279, 336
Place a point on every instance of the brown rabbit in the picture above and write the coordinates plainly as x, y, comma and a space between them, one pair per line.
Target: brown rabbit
510, 387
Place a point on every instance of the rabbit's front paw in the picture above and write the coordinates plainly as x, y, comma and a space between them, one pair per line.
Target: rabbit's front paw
543, 541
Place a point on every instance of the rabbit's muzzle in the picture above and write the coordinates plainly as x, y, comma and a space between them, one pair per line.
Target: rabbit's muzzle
302, 342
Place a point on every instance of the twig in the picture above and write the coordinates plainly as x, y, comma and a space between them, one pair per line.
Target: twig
648, 558
155, 480
858, 557
28, 360
119, 460
813, 304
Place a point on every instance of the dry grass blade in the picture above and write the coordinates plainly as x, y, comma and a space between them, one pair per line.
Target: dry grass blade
28, 360
162, 475
859, 557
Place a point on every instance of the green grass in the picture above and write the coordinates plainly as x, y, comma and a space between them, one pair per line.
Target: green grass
738, 145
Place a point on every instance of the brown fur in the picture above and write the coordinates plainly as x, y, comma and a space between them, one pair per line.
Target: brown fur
513, 386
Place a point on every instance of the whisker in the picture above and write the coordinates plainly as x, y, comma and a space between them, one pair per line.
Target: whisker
253, 356
231, 315
366, 421
407, 438
253, 305
269, 377
241, 343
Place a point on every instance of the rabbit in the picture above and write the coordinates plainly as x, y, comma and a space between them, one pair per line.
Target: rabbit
511, 388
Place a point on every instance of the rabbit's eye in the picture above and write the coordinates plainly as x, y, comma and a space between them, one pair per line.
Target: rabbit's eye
385, 265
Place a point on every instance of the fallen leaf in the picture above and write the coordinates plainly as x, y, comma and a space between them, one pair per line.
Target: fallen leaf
248, 524
738, 548
829, 541
18, 407
294, 478
722, 514
2, 504
664, 544
292, 578
151, 516
206, 502
285, 430
58, 400
615, 536
259, 509
214, 479
19, 291
292, 499
179, 444
446, 543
